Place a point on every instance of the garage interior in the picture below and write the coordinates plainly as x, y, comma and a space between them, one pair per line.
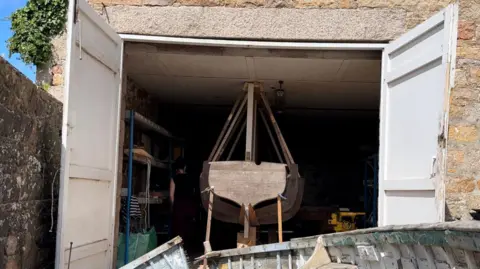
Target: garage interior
329, 116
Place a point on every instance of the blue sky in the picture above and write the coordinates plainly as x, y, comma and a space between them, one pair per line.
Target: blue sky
6, 8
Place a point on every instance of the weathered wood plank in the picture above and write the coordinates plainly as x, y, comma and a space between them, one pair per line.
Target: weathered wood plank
249, 143
246, 182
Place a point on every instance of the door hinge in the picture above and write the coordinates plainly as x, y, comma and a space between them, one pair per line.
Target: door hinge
75, 11
71, 122
433, 170
80, 40
69, 129
441, 140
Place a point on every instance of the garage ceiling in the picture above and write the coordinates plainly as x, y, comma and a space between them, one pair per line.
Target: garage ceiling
347, 80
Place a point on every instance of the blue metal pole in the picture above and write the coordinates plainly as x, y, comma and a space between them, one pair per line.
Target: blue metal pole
129, 195
375, 190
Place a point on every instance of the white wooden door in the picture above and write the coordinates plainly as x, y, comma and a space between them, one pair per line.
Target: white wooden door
90, 135
416, 81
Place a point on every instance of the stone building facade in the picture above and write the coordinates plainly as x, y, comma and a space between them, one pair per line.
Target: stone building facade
327, 20
30, 147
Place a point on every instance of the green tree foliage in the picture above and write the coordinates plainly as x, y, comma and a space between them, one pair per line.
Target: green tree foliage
34, 26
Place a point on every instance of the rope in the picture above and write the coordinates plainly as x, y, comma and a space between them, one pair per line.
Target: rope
53, 201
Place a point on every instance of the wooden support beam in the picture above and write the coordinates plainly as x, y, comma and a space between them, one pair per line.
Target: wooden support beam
249, 236
206, 244
239, 134
230, 128
250, 122
280, 220
234, 130
255, 129
252, 216
246, 222
264, 119
209, 216
283, 144
227, 123
243, 242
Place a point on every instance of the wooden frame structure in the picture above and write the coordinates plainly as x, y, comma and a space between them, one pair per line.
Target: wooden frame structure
247, 192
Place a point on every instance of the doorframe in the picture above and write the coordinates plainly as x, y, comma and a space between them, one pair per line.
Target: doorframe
252, 43
255, 44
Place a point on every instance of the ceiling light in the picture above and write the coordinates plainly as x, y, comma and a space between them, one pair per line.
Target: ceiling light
279, 102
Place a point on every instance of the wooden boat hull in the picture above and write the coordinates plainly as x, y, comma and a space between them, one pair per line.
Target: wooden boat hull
263, 213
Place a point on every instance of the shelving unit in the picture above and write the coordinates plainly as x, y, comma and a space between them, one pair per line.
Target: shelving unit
147, 126
143, 200
154, 162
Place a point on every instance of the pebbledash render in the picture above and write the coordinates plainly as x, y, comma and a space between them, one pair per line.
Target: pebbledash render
321, 21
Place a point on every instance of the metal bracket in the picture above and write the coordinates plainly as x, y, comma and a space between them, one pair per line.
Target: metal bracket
80, 40
208, 189
75, 11
434, 165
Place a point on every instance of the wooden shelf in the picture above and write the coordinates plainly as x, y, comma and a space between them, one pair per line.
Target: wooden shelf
158, 201
143, 161
143, 123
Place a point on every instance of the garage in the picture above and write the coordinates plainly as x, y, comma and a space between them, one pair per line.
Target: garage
341, 104
329, 116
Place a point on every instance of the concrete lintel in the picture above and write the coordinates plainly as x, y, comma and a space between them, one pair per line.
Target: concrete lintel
260, 23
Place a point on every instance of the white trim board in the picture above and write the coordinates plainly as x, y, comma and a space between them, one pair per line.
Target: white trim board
252, 44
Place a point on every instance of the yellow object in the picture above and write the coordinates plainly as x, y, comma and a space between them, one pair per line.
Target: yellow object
177, 152
139, 152
344, 221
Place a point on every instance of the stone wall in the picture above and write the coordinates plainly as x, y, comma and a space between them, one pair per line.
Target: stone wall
52, 73
463, 168
333, 20
30, 124
140, 100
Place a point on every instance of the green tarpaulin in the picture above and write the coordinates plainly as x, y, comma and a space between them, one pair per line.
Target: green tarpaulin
139, 244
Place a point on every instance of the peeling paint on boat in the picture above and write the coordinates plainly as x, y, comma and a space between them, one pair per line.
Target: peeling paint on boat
445, 245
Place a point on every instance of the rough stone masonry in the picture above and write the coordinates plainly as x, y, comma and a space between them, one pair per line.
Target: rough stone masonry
327, 20
30, 124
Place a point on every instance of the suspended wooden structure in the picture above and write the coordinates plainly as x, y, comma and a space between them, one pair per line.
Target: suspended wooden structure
246, 190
